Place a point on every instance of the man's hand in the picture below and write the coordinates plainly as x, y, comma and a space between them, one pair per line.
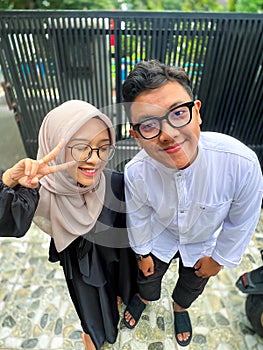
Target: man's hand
146, 265
207, 267
27, 172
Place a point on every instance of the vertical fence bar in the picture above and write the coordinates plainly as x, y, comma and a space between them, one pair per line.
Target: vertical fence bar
51, 56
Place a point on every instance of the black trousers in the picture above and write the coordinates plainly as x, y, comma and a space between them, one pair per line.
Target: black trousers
187, 289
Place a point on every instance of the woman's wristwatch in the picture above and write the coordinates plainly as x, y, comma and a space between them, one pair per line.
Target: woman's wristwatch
139, 257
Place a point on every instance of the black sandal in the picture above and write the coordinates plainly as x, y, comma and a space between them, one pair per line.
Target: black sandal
135, 309
182, 324
251, 282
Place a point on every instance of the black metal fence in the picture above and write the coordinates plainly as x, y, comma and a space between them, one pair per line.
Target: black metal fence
49, 57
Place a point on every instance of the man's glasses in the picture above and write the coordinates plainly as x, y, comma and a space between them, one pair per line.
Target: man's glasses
177, 117
81, 152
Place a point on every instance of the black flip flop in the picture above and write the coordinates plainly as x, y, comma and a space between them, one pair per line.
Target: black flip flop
251, 282
182, 324
135, 308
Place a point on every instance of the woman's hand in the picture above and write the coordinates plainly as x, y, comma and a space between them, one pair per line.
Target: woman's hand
27, 172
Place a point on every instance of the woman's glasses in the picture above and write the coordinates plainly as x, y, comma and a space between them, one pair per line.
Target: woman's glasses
81, 152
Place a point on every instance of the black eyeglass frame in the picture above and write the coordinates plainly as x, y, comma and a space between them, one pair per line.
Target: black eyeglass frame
97, 149
190, 105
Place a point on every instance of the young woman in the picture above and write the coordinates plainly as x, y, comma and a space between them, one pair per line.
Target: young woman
83, 210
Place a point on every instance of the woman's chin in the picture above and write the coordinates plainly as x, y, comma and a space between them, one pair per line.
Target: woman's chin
88, 180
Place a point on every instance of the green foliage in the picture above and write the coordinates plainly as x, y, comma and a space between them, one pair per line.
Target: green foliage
151, 5
172, 5
57, 4
17, 4
87, 4
249, 6
5, 4
232, 5
201, 5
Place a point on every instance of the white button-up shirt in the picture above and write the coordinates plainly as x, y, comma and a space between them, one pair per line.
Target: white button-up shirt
210, 208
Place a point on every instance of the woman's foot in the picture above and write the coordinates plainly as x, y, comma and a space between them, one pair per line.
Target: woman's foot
182, 321
119, 301
88, 343
134, 310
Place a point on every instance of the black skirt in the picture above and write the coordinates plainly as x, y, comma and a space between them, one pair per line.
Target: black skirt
100, 266
95, 276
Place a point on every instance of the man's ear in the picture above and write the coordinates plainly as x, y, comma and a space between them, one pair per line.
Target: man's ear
197, 107
136, 137
133, 133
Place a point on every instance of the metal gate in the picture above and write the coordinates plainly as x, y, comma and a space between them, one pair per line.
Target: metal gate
48, 57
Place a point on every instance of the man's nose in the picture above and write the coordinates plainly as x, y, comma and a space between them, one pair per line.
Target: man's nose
168, 132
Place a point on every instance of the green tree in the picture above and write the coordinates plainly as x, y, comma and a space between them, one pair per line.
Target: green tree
249, 6
201, 5
232, 5
172, 5
18, 4
87, 4
58, 4
152, 5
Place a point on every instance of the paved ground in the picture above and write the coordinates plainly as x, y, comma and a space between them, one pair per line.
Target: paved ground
36, 312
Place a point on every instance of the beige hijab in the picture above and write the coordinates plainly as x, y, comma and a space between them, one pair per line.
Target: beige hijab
65, 210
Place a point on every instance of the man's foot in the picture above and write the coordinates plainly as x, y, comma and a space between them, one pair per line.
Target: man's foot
133, 311
182, 326
88, 343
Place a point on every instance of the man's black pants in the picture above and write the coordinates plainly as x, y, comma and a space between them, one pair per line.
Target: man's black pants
187, 289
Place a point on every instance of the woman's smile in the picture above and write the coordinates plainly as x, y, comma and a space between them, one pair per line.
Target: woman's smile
90, 172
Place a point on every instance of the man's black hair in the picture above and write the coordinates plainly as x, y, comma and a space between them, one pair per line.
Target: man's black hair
149, 75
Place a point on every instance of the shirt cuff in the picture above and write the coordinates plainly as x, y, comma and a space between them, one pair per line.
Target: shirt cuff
224, 261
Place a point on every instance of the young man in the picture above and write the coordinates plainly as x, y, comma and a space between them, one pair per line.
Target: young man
190, 195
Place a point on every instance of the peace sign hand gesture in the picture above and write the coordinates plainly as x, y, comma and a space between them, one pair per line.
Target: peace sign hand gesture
27, 172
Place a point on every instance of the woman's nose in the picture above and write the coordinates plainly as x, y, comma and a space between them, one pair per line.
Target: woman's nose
94, 157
